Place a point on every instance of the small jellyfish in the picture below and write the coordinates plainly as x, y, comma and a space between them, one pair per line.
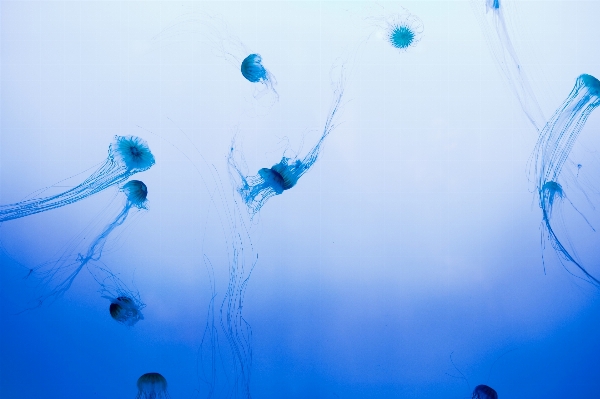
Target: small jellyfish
552, 150
401, 30
253, 70
127, 155
492, 20
404, 31
125, 310
63, 272
484, 392
214, 32
256, 190
152, 386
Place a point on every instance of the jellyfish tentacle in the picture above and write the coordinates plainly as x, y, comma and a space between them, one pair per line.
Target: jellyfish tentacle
552, 150
490, 14
136, 192
127, 155
268, 182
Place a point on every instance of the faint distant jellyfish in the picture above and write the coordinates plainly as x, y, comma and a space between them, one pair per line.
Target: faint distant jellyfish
125, 310
152, 386
553, 148
127, 155
256, 190
492, 20
484, 392
136, 193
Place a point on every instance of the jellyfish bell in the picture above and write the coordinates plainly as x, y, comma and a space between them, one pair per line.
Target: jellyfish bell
549, 192
253, 70
125, 310
592, 84
136, 192
401, 30
492, 4
152, 386
484, 392
133, 152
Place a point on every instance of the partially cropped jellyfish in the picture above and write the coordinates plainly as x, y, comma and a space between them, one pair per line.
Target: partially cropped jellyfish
401, 30
491, 15
552, 151
127, 155
268, 182
152, 386
484, 392
57, 279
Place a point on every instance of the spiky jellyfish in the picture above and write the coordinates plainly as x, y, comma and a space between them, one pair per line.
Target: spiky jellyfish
62, 273
552, 150
401, 30
268, 182
484, 392
152, 386
491, 16
127, 155
404, 31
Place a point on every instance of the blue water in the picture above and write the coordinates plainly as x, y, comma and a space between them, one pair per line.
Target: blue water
411, 260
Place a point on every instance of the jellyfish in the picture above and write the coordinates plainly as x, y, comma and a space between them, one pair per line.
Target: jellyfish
268, 182
63, 272
127, 155
152, 386
125, 310
401, 30
552, 150
484, 392
214, 31
490, 14
254, 71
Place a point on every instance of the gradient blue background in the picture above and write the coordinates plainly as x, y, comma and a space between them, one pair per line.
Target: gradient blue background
413, 237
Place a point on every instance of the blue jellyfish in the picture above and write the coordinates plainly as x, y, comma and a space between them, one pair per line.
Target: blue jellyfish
552, 150
256, 190
214, 31
492, 20
63, 272
125, 311
254, 71
228, 46
152, 386
401, 30
484, 392
127, 155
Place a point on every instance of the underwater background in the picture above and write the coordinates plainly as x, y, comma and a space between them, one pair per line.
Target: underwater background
409, 261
